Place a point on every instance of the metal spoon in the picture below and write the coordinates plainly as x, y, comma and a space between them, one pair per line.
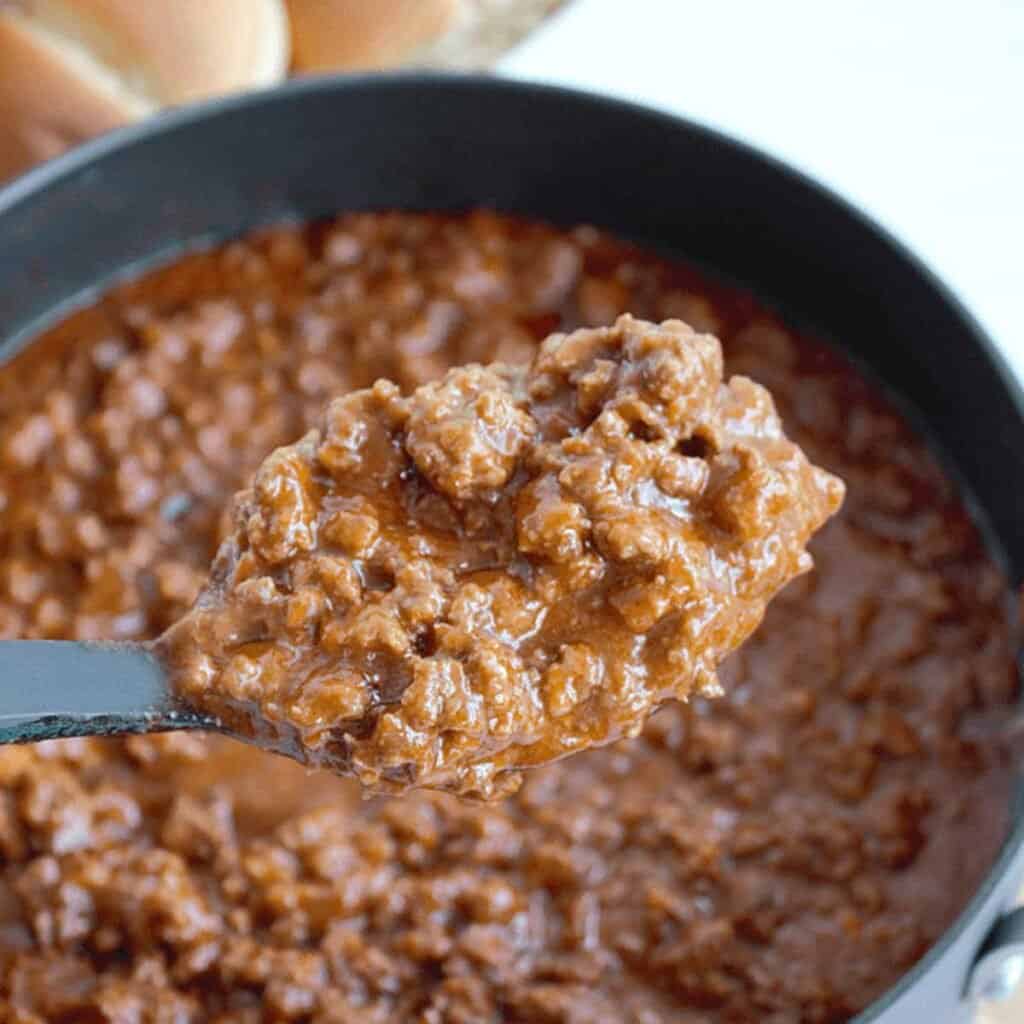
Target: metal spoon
51, 689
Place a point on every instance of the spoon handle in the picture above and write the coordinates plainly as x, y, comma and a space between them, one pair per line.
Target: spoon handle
56, 688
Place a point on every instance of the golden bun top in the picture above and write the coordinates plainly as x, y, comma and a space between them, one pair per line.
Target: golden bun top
70, 69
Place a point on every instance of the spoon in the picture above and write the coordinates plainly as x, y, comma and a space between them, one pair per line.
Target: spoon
447, 588
54, 689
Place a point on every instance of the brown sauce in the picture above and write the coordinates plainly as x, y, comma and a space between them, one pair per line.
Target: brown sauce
505, 567
782, 853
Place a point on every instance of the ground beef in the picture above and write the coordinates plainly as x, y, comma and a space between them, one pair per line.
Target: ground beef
507, 566
782, 853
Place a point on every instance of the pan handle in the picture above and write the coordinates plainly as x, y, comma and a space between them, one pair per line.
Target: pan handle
998, 972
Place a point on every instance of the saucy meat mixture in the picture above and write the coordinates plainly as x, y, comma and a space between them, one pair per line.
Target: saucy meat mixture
505, 567
781, 853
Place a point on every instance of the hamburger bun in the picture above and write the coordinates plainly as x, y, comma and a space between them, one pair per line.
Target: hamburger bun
349, 35
71, 69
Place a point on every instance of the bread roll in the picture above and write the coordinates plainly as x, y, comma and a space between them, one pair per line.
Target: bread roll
70, 69
346, 35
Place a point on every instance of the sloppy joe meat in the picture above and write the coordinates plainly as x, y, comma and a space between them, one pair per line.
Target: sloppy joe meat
782, 853
507, 566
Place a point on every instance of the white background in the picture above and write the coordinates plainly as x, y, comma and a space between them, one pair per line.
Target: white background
914, 110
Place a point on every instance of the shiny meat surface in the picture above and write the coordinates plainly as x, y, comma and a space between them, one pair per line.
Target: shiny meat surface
508, 566
780, 854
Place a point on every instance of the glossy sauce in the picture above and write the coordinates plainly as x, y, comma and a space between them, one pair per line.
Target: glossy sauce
783, 853
503, 568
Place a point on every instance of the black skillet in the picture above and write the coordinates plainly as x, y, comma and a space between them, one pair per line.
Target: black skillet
433, 142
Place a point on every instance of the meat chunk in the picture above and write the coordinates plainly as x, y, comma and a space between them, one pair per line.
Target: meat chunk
534, 559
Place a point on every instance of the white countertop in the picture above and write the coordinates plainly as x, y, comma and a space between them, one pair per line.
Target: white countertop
912, 109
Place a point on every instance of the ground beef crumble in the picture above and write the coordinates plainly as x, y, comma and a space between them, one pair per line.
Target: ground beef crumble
782, 853
508, 566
